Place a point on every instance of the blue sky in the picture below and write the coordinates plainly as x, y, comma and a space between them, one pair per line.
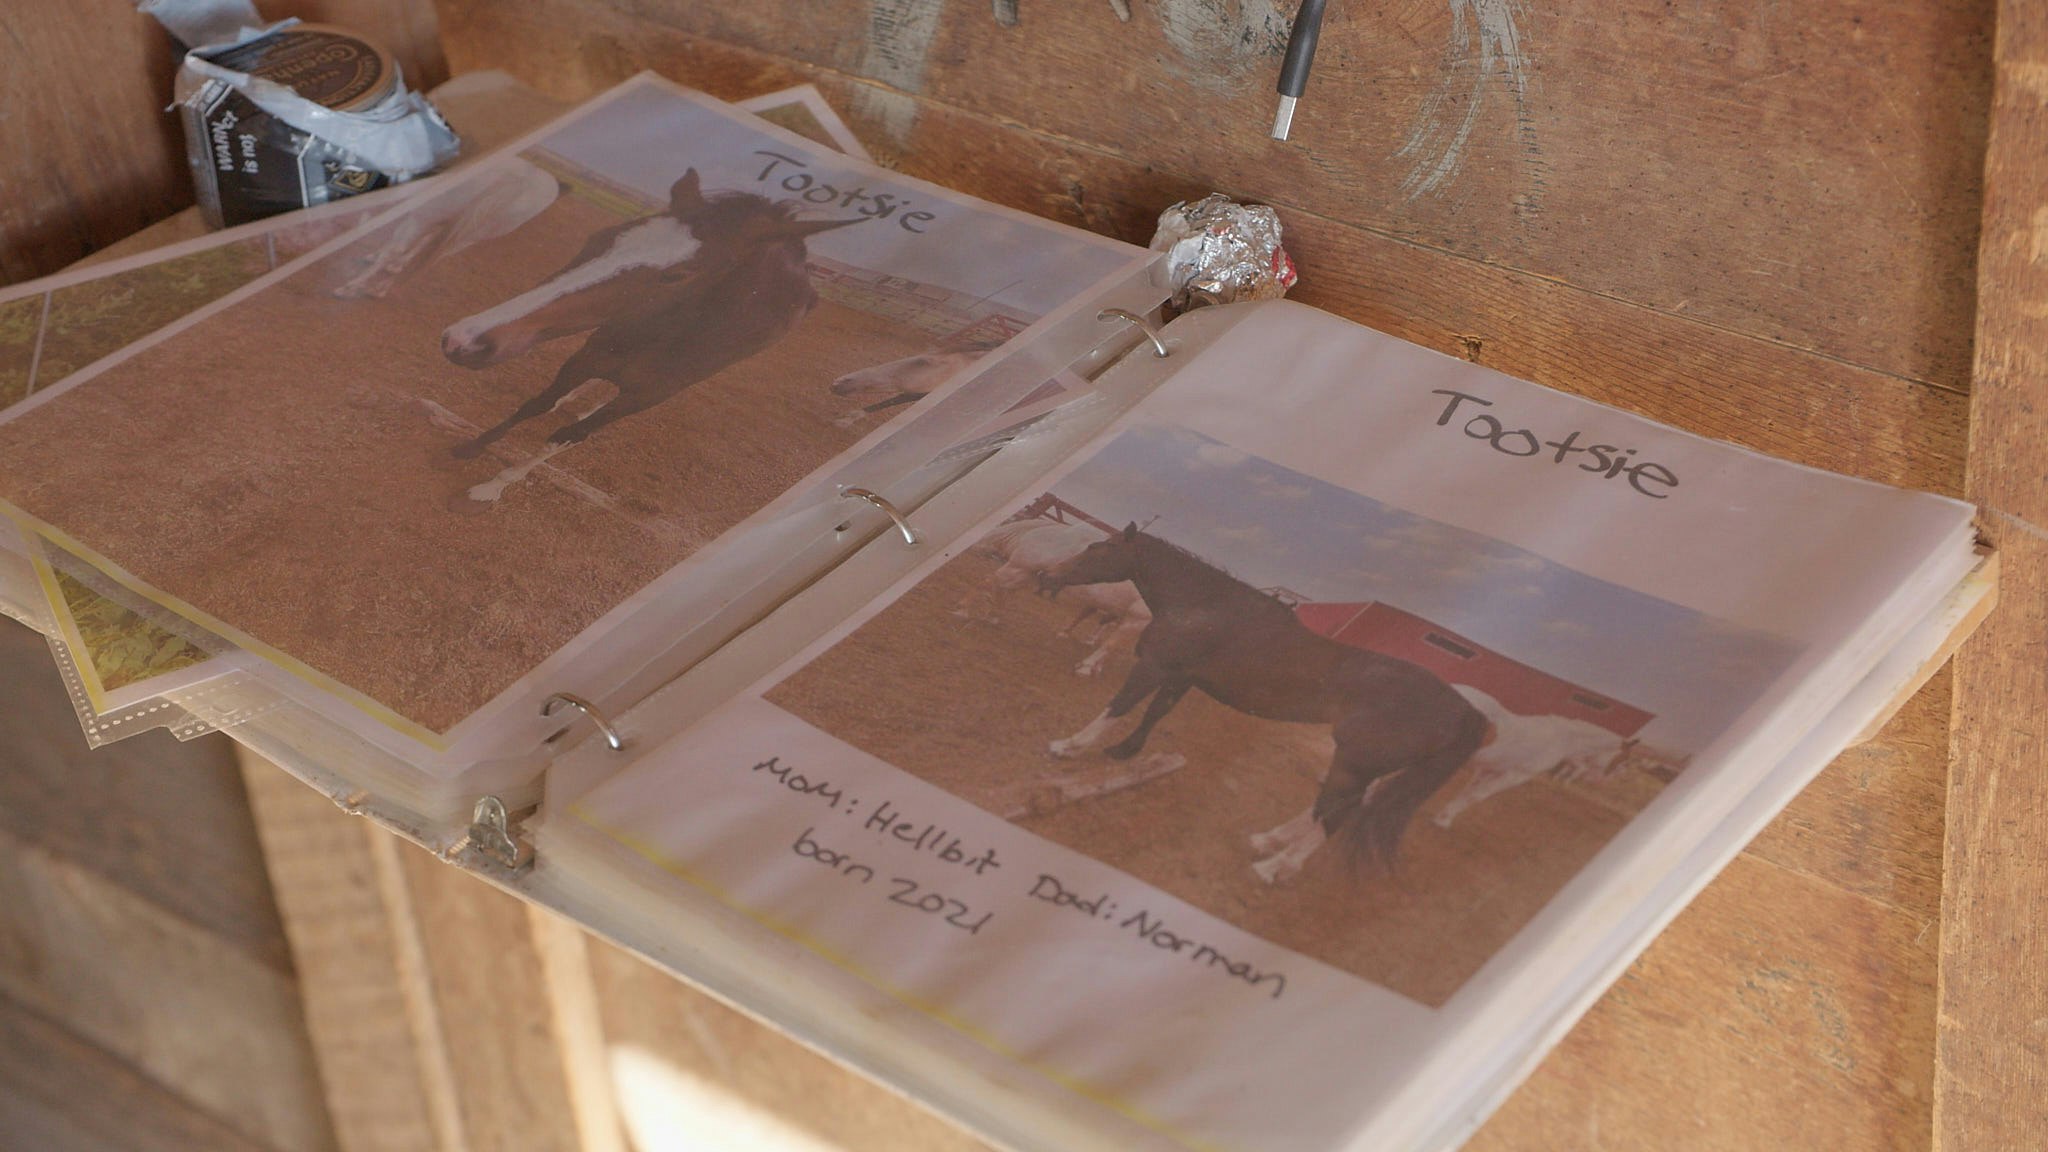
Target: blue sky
648, 138
1269, 525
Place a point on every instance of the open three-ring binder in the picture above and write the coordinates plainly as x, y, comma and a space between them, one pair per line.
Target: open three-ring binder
1250, 731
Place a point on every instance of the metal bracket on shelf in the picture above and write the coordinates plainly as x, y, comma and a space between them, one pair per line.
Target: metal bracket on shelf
494, 837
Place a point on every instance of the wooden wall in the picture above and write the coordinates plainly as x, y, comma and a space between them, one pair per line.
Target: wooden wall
87, 152
148, 999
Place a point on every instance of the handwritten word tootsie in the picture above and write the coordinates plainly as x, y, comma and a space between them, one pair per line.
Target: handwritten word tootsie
874, 205
1605, 461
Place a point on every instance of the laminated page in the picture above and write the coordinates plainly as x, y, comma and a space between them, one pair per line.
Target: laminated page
429, 472
118, 660
1244, 778
117, 663
52, 327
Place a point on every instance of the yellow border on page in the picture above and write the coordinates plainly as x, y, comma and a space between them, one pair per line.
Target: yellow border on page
67, 629
922, 1004
289, 664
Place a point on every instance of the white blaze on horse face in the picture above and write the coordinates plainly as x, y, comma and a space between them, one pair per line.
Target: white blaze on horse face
656, 242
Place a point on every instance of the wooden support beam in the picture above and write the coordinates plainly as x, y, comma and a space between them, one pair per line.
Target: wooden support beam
1991, 1081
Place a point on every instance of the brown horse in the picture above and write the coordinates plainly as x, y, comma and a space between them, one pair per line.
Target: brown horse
1400, 732
668, 299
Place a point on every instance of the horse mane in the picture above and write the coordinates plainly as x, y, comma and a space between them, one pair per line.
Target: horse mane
735, 195
1217, 573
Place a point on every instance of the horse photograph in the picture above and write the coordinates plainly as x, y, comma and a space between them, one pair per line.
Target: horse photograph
1113, 611
1391, 741
436, 450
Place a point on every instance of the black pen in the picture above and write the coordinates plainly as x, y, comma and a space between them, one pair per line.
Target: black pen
1301, 52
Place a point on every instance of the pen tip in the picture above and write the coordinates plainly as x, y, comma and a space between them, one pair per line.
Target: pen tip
1284, 118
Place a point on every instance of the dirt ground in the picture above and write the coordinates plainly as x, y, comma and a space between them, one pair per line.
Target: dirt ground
970, 706
276, 467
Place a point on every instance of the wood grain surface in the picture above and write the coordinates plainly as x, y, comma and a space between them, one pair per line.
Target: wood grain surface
147, 996
59, 1092
1992, 1086
1807, 176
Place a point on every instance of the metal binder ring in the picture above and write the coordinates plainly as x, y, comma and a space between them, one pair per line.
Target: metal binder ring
882, 502
1142, 324
611, 734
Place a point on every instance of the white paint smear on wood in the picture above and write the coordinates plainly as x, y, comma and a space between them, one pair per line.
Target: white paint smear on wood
1485, 41
900, 34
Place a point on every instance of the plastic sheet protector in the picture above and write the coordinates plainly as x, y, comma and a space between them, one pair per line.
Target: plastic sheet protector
1286, 748
422, 469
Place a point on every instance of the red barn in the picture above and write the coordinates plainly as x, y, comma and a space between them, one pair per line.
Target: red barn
1519, 688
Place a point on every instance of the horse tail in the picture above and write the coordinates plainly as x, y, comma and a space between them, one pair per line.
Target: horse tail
1370, 814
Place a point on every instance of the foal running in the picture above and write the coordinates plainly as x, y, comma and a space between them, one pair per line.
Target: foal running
669, 299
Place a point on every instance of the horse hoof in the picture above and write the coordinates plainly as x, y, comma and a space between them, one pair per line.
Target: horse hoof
1064, 749
462, 505
1084, 670
1272, 871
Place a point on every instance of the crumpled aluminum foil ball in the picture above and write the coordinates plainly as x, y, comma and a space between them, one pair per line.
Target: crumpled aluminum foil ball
1220, 251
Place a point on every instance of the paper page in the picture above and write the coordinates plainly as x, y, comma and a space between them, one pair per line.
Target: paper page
52, 327
1303, 723
432, 460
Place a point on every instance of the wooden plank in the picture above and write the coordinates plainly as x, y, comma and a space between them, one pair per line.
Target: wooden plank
354, 992
89, 154
89, 150
164, 820
1991, 1083
184, 1007
681, 1060
564, 952
490, 993
1770, 1015
1871, 823
1704, 377
61, 1094
1808, 180
424, 992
